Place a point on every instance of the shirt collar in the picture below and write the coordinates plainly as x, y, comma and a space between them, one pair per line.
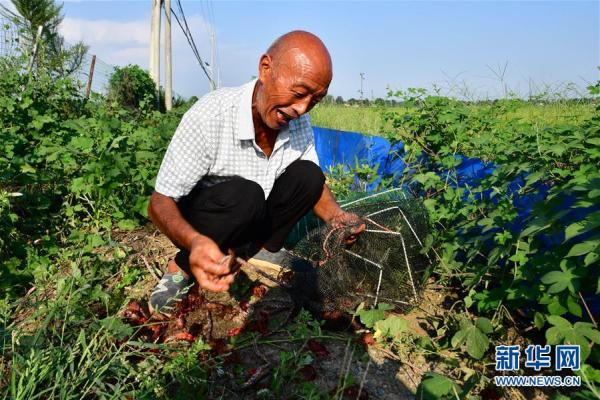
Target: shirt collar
245, 125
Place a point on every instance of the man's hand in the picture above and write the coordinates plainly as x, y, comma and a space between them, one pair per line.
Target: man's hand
329, 211
352, 222
212, 269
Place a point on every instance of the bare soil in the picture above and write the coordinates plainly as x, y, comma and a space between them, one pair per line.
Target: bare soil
364, 371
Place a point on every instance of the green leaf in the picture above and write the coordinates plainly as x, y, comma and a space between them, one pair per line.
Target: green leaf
538, 320
82, 143
554, 335
484, 325
477, 343
392, 326
470, 335
559, 322
558, 281
434, 386
370, 317
556, 308
587, 329
573, 306
591, 258
557, 149
594, 141
579, 334
27, 169
534, 177
127, 224
534, 228
592, 221
583, 248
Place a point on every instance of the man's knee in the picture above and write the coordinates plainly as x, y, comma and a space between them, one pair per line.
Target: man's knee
246, 197
308, 174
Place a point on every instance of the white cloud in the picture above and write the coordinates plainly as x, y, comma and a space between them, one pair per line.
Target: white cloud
128, 42
104, 32
128, 55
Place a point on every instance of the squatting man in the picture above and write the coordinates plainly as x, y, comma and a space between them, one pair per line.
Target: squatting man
241, 170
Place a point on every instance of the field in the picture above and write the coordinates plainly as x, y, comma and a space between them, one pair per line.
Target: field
368, 119
79, 258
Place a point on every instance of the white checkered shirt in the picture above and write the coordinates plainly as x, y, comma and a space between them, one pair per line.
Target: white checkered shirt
215, 142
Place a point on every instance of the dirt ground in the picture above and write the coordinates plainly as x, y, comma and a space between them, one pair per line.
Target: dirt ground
268, 309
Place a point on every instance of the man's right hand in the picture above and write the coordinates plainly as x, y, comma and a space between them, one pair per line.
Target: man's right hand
211, 268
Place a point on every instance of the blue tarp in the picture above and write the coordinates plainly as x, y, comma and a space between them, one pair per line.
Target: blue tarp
339, 147
347, 148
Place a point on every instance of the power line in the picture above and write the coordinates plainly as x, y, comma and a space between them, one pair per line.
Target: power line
190, 39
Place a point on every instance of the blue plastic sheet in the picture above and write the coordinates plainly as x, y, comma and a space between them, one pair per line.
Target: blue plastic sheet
349, 148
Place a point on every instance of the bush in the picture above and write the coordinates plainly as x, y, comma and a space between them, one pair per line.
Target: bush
69, 165
130, 85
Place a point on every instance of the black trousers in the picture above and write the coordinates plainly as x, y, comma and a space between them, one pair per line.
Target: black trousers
235, 213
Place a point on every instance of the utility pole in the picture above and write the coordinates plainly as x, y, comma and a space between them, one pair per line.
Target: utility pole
213, 70
362, 78
168, 58
155, 43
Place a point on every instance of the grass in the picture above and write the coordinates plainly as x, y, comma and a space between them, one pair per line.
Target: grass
349, 118
368, 119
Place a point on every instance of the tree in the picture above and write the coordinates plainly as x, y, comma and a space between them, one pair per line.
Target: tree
53, 52
339, 100
328, 99
33, 13
130, 85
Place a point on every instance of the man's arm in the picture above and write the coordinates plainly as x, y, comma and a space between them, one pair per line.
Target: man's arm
327, 208
205, 256
164, 213
332, 214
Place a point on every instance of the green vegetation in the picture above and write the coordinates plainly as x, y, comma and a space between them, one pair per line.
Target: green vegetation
350, 118
130, 85
529, 274
367, 119
74, 172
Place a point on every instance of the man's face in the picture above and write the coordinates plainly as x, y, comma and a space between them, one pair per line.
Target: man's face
291, 87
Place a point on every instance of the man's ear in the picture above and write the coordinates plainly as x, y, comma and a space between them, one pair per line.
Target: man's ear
265, 68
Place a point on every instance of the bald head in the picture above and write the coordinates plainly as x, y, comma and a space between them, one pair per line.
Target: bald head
299, 48
294, 75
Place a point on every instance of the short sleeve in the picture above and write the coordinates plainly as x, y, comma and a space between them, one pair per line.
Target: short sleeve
310, 154
187, 158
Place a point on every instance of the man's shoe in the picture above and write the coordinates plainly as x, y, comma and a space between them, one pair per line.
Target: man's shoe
172, 288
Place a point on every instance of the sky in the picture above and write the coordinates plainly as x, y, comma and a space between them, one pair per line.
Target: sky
468, 48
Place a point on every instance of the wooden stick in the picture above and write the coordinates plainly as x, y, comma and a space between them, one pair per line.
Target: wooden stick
152, 272
90, 77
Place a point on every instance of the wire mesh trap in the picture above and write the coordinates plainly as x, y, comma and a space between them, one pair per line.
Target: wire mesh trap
386, 264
